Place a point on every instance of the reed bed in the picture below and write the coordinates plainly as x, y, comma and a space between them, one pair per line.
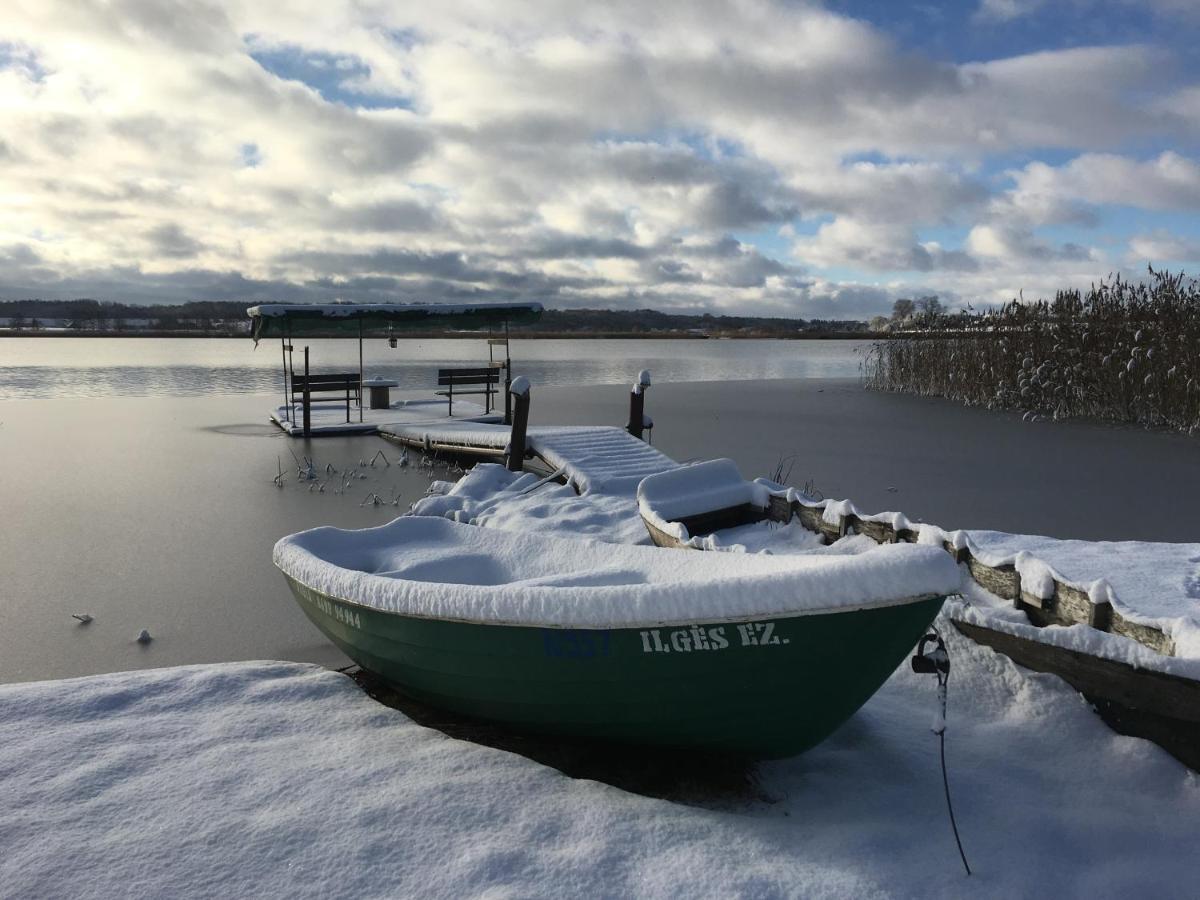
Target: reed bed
1123, 351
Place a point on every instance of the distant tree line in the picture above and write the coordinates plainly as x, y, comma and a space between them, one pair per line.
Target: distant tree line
908, 312
652, 321
226, 317
93, 315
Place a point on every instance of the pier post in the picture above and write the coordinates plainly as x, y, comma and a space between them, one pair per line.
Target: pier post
637, 405
306, 398
518, 392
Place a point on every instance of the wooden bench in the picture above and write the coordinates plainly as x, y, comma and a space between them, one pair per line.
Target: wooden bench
347, 384
488, 377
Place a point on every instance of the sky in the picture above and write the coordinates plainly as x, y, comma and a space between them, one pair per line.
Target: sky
743, 157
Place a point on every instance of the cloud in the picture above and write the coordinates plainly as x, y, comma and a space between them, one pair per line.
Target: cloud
617, 153
1006, 10
1010, 10
874, 245
1049, 193
1163, 247
169, 239
1013, 245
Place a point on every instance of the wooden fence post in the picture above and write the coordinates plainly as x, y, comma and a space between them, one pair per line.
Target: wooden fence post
637, 405
519, 390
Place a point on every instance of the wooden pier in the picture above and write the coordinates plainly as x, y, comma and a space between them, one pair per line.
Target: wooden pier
593, 458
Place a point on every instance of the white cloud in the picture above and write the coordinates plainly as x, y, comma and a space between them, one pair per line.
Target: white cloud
1163, 247
542, 148
1007, 10
1166, 182
874, 245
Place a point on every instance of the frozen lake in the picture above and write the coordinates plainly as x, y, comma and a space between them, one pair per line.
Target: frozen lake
160, 513
99, 367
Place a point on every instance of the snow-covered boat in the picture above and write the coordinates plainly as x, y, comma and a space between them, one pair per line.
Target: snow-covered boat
682, 506
750, 654
1014, 586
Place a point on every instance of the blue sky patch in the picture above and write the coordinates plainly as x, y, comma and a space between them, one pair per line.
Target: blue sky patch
330, 75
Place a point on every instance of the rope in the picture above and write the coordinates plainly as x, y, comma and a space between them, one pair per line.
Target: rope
937, 662
942, 682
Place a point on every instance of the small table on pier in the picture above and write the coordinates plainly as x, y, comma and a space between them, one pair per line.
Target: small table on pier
380, 391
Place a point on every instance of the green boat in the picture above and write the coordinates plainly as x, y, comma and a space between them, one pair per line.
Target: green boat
752, 655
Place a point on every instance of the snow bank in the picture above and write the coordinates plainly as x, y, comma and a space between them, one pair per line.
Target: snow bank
284, 780
435, 568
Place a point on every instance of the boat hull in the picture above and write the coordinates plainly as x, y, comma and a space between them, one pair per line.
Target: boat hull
767, 688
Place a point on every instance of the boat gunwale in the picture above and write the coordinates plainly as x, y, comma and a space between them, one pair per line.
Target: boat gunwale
631, 626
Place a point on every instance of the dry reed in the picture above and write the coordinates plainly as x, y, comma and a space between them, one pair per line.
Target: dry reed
1123, 351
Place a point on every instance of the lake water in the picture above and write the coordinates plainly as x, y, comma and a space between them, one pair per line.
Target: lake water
97, 367
158, 511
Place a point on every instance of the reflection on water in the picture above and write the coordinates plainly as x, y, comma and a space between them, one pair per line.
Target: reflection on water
247, 430
105, 367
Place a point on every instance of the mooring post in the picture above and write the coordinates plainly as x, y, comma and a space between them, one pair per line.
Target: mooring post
519, 392
637, 405
307, 397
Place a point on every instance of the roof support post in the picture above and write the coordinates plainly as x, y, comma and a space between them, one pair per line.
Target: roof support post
283, 353
508, 413
307, 398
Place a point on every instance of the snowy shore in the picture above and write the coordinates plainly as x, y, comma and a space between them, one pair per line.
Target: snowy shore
273, 779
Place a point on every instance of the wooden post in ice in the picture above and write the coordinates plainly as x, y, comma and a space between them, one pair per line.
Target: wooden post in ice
519, 393
637, 405
307, 397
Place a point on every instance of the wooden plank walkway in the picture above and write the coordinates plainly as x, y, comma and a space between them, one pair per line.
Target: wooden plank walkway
595, 458
329, 417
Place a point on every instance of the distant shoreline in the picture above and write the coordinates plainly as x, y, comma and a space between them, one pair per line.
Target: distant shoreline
474, 335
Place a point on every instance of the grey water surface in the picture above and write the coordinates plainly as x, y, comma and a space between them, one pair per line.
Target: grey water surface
102, 367
160, 512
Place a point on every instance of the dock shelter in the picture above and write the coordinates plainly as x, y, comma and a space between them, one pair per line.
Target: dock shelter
375, 320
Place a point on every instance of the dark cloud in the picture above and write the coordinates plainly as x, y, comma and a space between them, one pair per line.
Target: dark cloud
385, 215
20, 255
565, 246
737, 205
926, 259
670, 271
169, 239
653, 164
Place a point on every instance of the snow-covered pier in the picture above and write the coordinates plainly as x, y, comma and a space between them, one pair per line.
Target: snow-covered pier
593, 458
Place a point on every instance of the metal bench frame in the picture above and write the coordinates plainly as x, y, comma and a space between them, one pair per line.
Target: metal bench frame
349, 384
488, 376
